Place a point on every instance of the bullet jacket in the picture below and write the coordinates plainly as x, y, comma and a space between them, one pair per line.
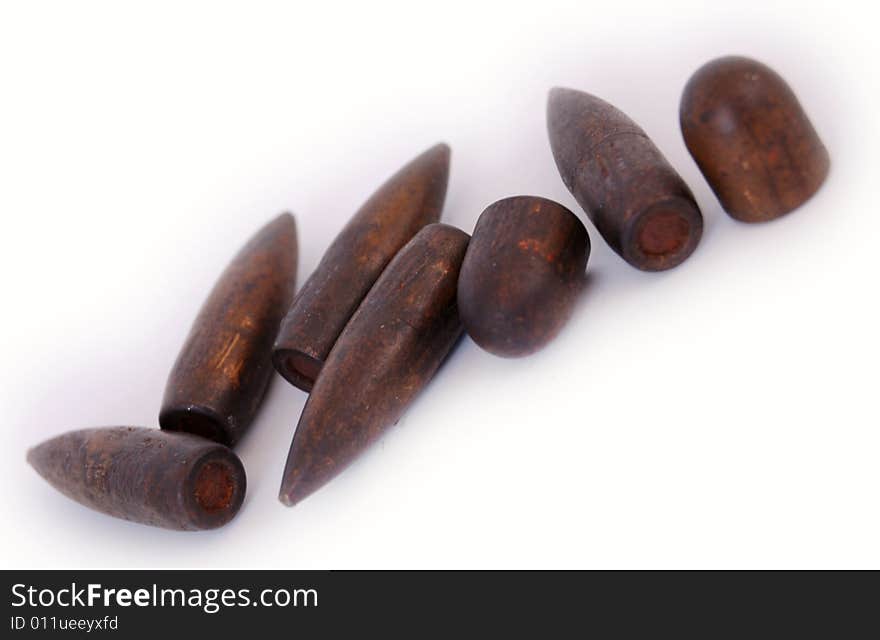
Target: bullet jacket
387, 353
160, 478
521, 275
409, 200
637, 201
224, 368
751, 139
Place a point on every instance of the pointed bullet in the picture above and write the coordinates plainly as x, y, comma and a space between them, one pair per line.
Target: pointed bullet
749, 135
409, 200
387, 353
637, 201
171, 480
225, 365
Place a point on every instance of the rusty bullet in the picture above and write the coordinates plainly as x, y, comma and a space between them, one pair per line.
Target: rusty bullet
410, 199
521, 275
747, 132
160, 478
387, 353
637, 201
224, 368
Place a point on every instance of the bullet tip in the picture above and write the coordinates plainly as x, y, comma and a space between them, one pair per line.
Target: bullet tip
285, 500
559, 94
285, 218
289, 496
35, 454
298, 485
440, 151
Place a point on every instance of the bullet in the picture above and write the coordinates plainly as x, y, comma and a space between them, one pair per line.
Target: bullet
387, 353
521, 275
747, 132
160, 478
410, 199
637, 201
223, 371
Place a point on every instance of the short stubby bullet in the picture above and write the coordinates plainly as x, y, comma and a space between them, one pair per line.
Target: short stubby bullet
747, 132
223, 371
521, 275
159, 478
410, 199
388, 352
639, 204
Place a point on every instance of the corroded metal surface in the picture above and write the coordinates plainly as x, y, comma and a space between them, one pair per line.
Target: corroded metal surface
160, 478
387, 353
521, 275
224, 368
409, 200
751, 139
637, 201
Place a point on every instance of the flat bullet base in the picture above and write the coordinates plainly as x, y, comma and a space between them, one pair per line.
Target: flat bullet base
298, 368
196, 420
663, 236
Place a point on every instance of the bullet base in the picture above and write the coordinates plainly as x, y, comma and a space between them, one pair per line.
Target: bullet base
298, 368
199, 421
663, 236
216, 491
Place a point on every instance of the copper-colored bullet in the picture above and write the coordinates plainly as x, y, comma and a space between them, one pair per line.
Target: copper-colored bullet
410, 199
164, 479
521, 275
751, 139
389, 350
224, 368
637, 201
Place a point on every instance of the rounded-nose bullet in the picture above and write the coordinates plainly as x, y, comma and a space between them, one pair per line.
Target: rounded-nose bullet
747, 132
521, 275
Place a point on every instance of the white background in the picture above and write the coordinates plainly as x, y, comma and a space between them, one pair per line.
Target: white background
723, 414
